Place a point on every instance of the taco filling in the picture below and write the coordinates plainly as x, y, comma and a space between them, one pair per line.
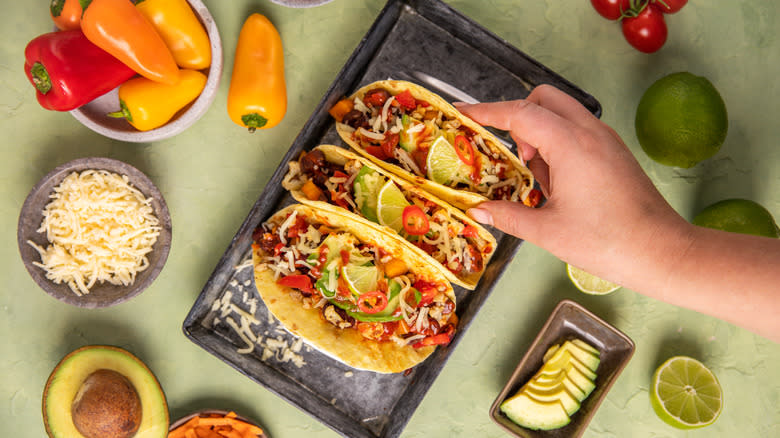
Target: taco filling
456, 245
414, 135
357, 286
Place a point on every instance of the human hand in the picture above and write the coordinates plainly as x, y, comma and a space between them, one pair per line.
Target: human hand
602, 210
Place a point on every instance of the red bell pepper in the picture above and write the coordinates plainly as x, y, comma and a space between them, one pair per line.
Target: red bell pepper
69, 71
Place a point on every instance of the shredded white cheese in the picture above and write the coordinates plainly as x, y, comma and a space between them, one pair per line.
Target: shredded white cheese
100, 229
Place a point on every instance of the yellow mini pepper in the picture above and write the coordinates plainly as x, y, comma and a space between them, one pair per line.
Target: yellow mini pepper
179, 27
257, 98
147, 104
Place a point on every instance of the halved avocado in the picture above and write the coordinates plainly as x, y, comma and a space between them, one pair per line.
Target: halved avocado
66, 383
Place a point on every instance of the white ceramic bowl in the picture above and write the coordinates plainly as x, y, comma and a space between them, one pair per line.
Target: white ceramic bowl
93, 115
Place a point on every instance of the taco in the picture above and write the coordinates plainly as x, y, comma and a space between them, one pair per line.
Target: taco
416, 134
334, 179
357, 295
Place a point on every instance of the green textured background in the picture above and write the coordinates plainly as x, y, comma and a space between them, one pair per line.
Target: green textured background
212, 174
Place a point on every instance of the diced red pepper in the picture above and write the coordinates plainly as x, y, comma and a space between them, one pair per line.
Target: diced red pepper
388, 146
300, 282
533, 199
470, 231
406, 99
378, 152
428, 291
376, 97
278, 248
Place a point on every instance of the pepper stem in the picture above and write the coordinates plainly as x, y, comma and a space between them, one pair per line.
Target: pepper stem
253, 121
123, 113
40, 78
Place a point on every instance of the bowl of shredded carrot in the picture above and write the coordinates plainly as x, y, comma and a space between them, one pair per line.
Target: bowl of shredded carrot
212, 423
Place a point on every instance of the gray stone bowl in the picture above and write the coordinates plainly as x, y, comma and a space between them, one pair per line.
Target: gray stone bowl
93, 114
101, 294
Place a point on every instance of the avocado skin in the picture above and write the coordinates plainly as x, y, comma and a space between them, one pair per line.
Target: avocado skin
69, 374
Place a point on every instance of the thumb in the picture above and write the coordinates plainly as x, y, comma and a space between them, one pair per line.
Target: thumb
510, 217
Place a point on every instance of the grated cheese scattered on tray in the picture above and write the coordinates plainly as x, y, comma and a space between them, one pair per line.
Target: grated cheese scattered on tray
100, 229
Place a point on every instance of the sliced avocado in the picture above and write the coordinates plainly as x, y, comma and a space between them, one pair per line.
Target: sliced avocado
563, 356
67, 383
407, 140
322, 284
366, 187
582, 381
534, 414
547, 382
584, 356
587, 347
569, 401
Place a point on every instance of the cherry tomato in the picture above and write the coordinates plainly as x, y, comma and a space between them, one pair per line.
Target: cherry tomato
428, 292
470, 231
300, 282
464, 149
611, 9
647, 31
414, 220
669, 6
372, 302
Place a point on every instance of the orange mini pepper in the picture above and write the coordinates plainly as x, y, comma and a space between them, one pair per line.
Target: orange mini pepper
66, 14
147, 104
179, 27
257, 98
120, 29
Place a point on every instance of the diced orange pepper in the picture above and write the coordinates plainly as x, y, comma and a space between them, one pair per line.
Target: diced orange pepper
341, 108
395, 267
311, 191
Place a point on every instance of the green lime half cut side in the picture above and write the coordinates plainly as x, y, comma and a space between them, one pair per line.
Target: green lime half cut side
686, 394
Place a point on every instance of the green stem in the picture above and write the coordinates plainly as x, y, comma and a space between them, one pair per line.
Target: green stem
254, 121
56, 7
123, 113
41, 77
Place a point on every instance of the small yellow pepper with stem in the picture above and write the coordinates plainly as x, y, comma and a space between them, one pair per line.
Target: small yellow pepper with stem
179, 27
257, 98
147, 104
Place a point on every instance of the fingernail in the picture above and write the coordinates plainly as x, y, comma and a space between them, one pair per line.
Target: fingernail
458, 104
480, 215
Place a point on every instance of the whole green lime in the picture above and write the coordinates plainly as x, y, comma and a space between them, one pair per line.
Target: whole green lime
738, 216
681, 120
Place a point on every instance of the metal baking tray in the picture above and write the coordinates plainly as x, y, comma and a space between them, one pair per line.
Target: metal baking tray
424, 41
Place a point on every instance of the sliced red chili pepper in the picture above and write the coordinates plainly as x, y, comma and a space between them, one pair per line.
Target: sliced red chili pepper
391, 141
414, 220
377, 152
470, 231
301, 282
372, 302
440, 339
406, 99
464, 149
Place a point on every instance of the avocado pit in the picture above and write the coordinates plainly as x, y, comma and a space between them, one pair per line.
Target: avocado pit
107, 406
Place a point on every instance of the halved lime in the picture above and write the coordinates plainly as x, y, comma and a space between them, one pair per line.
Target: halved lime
589, 283
390, 206
360, 279
686, 394
443, 163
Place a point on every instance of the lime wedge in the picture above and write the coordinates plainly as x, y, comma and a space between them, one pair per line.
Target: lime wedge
390, 206
360, 279
443, 163
589, 283
685, 393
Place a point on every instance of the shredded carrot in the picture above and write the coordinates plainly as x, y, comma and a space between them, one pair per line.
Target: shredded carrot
340, 109
217, 426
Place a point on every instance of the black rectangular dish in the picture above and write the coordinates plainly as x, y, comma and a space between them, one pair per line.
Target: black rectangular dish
437, 45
